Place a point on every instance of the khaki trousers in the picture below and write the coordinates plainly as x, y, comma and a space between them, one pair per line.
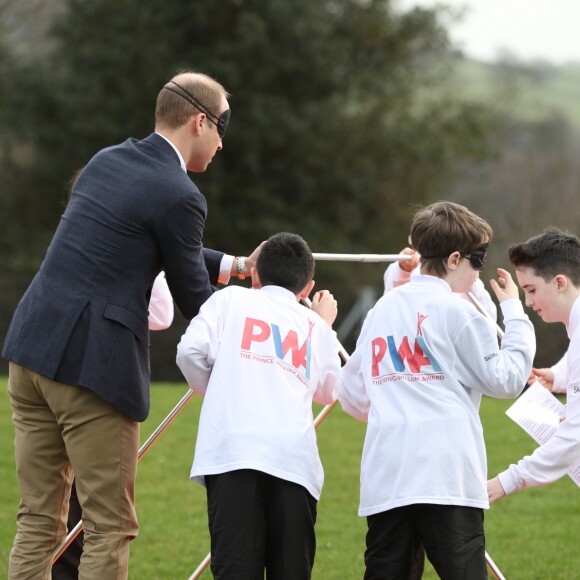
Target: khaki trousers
57, 427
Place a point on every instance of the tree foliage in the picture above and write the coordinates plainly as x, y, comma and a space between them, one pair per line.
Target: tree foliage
328, 136
334, 130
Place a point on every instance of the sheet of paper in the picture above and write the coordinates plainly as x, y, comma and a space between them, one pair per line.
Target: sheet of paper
538, 413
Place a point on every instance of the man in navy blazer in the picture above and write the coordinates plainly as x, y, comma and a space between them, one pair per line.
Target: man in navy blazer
78, 343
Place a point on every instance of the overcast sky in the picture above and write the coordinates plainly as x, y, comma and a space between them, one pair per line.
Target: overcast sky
529, 29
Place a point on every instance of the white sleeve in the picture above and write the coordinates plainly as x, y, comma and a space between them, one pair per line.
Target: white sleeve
160, 304
225, 269
560, 370
497, 372
553, 459
352, 392
197, 350
325, 393
484, 297
395, 276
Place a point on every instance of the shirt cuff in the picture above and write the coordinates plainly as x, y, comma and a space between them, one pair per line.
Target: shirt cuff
511, 309
225, 269
508, 482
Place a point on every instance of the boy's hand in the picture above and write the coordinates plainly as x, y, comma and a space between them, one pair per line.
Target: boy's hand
253, 258
494, 490
504, 287
324, 304
544, 376
409, 265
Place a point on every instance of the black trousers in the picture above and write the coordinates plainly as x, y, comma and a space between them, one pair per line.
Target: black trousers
259, 522
452, 536
67, 566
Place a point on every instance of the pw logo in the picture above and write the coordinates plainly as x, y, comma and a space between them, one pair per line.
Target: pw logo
259, 331
416, 359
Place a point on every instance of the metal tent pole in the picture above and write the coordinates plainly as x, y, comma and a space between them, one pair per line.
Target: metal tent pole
142, 450
480, 307
490, 563
361, 257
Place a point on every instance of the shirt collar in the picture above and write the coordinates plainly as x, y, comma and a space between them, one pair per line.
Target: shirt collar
181, 160
426, 279
279, 291
574, 320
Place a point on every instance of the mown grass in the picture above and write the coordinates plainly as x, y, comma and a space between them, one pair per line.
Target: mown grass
531, 535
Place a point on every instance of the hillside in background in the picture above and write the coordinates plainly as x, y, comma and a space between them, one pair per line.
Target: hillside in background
529, 92
532, 179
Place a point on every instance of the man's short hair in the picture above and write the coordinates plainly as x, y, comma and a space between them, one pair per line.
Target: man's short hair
285, 260
445, 227
173, 111
549, 254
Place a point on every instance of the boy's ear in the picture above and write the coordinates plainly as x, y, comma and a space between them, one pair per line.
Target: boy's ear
306, 290
453, 260
255, 278
561, 282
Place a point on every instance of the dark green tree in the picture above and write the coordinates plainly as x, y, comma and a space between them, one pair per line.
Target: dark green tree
335, 130
331, 133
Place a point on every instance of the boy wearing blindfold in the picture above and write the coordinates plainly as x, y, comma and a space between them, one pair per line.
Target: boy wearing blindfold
399, 273
421, 365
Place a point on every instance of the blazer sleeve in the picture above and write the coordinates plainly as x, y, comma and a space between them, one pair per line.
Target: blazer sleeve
179, 236
213, 260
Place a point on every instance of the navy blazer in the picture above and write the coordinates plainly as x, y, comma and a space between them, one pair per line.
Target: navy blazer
83, 319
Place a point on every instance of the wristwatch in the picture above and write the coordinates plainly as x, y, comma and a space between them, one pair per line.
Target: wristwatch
241, 267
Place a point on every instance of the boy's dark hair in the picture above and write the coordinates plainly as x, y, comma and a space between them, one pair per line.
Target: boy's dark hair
285, 260
445, 227
549, 254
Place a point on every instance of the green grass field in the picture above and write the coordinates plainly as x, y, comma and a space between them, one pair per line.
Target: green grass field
531, 535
